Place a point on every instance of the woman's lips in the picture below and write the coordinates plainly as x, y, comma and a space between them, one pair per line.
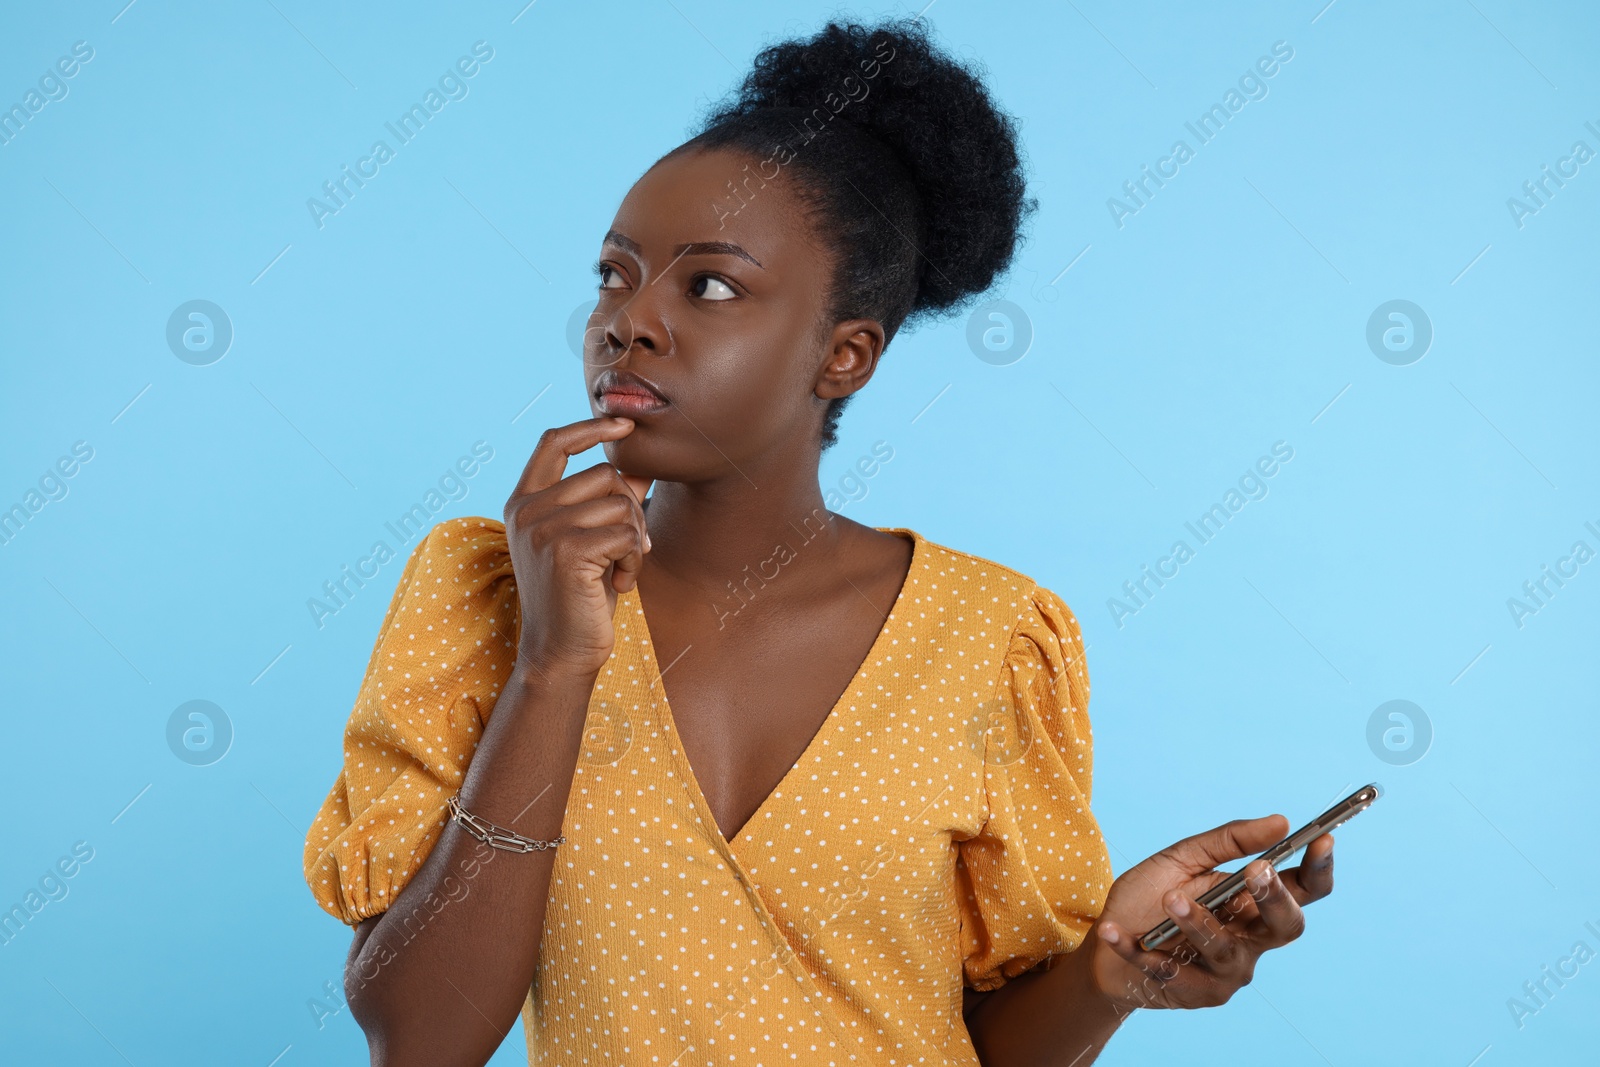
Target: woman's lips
630, 403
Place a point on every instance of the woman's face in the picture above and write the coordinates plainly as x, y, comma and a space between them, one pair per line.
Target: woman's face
719, 305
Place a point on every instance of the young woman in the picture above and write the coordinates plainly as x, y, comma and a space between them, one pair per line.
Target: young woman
787, 788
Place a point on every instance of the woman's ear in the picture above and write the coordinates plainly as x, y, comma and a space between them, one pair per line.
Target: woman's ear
853, 350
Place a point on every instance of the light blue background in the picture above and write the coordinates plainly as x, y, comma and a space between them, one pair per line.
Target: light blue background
1227, 314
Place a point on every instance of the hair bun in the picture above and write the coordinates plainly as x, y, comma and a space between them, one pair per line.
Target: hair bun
935, 116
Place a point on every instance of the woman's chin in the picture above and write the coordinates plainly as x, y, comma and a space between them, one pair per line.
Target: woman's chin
635, 457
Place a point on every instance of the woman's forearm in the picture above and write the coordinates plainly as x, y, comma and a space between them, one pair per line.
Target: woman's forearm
441, 975
1046, 1018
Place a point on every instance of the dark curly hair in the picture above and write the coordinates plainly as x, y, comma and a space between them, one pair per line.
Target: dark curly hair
914, 176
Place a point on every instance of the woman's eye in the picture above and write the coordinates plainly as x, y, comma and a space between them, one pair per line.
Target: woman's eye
607, 275
711, 288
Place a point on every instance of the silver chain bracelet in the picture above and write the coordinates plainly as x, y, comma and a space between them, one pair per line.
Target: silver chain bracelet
496, 836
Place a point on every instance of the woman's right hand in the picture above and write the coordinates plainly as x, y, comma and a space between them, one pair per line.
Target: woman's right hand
575, 543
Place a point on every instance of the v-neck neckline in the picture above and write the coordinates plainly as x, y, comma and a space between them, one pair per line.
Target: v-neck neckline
818, 739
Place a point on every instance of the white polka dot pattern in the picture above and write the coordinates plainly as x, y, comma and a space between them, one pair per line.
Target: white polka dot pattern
935, 833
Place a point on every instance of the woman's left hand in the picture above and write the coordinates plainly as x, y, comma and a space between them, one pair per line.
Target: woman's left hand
1215, 957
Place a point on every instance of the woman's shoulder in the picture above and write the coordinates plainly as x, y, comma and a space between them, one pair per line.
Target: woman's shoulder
472, 546
465, 535
465, 563
961, 571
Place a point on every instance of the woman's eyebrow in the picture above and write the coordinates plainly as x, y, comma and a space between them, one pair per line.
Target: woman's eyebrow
702, 248
622, 241
716, 248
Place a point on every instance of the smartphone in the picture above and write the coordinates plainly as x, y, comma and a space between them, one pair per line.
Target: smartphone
1230, 886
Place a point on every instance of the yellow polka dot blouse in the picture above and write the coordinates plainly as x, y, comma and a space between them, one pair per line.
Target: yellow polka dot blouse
935, 833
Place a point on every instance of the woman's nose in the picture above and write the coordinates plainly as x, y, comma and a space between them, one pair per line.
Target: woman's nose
636, 322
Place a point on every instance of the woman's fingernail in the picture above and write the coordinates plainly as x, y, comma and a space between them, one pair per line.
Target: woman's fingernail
1180, 907
1109, 935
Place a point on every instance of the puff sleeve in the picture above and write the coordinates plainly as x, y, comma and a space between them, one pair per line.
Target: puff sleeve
446, 647
1035, 877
